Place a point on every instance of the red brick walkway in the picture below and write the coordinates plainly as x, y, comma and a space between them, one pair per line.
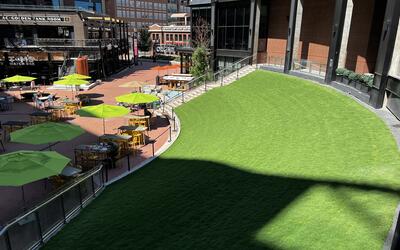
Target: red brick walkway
10, 197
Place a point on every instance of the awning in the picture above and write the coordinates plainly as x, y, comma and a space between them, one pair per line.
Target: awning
180, 15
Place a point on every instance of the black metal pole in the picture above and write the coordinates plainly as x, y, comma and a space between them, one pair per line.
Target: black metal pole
129, 162
290, 37
385, 53
336, 39
63, 209
39, 227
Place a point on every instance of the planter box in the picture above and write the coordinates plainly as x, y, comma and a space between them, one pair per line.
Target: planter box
353, 84
359, 85
339, 78
346, 80
365, 89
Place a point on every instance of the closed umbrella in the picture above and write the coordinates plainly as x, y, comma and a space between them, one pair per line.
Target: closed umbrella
23, 167
49, 132
137, 98
103, 111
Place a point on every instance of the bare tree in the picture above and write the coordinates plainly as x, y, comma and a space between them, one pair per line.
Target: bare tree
201, 33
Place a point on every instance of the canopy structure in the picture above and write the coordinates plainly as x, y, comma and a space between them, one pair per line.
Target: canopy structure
48, 132
23, 167
103, 111
137, 98
18, 79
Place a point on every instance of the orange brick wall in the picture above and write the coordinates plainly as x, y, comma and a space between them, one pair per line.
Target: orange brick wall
278, 27
364, 36
316, 29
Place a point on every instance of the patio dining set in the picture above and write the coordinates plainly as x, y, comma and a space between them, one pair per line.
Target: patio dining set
46, 127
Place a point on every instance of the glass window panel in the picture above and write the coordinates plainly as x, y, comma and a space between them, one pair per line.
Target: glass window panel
230, 17
221, 38
239, 16
239, 38
230, 38
222, 17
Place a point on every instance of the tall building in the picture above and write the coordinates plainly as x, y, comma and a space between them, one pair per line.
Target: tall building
311, 38
44, 38
143, 13
138, 14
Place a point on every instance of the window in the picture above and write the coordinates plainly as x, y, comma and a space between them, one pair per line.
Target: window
233, 27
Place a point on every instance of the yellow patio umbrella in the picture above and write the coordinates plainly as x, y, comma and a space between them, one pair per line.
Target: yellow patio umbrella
18, 79
71, 82
77, 76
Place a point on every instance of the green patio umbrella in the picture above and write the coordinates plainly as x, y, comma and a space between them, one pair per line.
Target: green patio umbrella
23, 167
77, 76
48, 132
18, 78
137, 98
71, 82
103, 111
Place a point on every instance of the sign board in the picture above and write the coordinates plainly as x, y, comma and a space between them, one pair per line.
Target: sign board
57, 19
165, 49
21, 60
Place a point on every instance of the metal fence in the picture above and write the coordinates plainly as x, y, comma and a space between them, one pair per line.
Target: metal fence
36, 226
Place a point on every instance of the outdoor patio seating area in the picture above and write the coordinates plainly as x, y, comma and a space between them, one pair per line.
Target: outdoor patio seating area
113, 136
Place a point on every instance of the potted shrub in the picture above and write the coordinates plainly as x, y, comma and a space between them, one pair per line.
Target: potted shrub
339, 74
367, 81
346, 74
353, 78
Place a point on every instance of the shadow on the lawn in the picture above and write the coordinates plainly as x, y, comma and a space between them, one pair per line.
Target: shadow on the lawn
186, 204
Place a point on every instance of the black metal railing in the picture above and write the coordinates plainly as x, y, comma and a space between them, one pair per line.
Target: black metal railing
34, 227
205, 80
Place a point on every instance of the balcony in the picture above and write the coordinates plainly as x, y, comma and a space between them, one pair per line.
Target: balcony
42, 43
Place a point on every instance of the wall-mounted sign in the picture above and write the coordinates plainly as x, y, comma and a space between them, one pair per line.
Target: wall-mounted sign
22, 60
35, 18
165, 49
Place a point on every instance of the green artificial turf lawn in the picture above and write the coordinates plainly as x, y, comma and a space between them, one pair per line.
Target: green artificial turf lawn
268, 162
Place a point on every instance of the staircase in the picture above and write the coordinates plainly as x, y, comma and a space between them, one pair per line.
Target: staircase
167, 109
